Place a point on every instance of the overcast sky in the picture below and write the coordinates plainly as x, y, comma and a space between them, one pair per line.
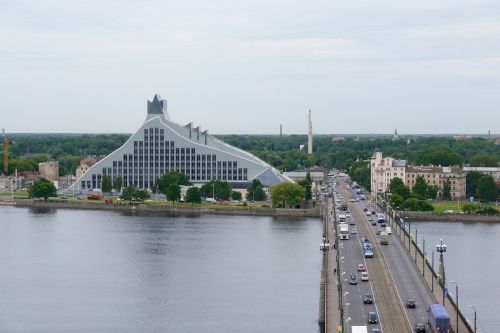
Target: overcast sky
361, 66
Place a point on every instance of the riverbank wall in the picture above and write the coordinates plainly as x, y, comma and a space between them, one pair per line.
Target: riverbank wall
173, 209
430, 216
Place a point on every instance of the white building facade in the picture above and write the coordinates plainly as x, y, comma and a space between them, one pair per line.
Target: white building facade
384, 170
160, 146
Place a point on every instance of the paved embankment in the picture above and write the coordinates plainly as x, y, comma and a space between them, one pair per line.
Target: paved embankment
430, 216
172, 209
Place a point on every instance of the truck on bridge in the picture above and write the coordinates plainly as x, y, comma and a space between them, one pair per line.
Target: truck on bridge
344, 231
439, 320
359, 329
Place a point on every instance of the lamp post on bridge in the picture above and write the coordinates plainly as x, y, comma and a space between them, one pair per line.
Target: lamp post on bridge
423, 255
409, 233
441, 248
416, 244
432, 273
456, 291
475, 317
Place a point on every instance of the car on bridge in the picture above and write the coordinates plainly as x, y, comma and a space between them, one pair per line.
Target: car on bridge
368, 299
411, 304
419, 328
372, 318
353, 279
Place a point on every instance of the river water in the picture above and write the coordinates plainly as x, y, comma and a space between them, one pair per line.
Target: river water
472, 261
93, 271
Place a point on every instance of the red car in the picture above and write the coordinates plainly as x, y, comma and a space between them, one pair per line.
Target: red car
361, 268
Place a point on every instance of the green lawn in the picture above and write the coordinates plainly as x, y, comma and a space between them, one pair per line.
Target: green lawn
455, 206
16, 194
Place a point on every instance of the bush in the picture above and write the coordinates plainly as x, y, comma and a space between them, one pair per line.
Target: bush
488, 211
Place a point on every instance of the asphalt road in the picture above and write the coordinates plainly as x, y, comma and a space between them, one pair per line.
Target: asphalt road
388, 303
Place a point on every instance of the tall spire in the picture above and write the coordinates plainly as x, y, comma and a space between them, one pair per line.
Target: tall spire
310, 135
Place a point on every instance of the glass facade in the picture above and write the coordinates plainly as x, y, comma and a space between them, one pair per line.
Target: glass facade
155, 155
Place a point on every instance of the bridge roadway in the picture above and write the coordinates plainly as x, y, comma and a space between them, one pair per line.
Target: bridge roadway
390, 307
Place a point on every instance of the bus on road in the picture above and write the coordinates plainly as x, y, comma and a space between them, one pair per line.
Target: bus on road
367, 250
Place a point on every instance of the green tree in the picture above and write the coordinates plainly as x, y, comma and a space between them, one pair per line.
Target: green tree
305, 184
218, 188
360, 172
484, 160
447, 189
193, 195
42, 188
173, 192
397, 200
432, 192
142, 195
398, 187
469, 208
106, 184
420, 187
286, 195
255, 192
129, 193
471, 180
486, 189
235, 195
171, 177
118, 183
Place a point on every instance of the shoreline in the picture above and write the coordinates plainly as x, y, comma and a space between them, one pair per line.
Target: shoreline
434, 217
170, 209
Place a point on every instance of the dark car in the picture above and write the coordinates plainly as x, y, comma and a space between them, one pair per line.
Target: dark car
365, 209
383, 225
411, 304
366, 240
372, 318
368, 299
375, 330
353, 279
419, 328
374, 212
374, 223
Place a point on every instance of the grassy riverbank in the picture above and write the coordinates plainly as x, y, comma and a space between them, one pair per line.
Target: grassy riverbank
457, 206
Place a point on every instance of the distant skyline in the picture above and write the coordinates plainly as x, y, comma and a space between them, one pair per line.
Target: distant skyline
366, 66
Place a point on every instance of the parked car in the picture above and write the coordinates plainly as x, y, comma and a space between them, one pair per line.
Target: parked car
368, 299
372, 318
353, 279
410, 303
364, 276
361, 268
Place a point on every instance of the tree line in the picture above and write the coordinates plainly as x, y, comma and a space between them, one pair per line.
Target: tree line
284, 153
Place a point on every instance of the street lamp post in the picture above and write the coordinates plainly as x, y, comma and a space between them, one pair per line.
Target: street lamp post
475, 317
441, 248
342, 317
416, 244
409, 235
423, 256
432, 273
456, 291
